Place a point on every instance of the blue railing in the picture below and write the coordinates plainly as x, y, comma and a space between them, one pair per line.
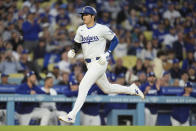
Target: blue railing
12, 98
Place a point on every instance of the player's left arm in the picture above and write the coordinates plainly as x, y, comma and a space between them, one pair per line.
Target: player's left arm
109, 35
113, 44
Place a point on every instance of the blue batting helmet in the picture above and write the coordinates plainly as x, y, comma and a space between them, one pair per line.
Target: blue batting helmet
88, 10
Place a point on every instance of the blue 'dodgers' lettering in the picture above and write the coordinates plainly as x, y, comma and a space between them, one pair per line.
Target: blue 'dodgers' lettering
88, 39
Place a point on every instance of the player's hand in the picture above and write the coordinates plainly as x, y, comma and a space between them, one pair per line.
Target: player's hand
103, 58
71, 53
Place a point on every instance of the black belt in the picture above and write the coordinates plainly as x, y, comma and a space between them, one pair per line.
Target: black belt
88, 60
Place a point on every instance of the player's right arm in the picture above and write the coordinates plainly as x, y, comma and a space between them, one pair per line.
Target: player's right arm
74, 50
76, 45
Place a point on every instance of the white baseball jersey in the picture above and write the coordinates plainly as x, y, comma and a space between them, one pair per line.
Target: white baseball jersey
93, 39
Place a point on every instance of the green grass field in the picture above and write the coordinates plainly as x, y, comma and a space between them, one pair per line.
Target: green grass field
95, 128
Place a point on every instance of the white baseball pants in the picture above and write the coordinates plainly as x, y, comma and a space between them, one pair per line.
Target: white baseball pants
89, 120
38, 113
174, 122
2, 117
96, 74
150, 119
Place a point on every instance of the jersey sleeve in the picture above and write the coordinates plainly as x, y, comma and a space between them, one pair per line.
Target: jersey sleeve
78, 36
108, 33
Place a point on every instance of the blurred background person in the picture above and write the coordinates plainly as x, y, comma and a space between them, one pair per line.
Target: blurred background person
27, 111
4, 79
151, 88
51, 106
180, 113
158, 63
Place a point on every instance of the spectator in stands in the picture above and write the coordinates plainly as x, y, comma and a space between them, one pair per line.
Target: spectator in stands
76, 69
142, 39
131, 19
18, 52
4, 79
6, 35
170, 57
148, 51
179, 46
171, 13
51, 106
192, 74
16, 39
130, 77
119, 68
10, 65
63, 41
175, 70
39, 54
63, 15
143, 23
170, 38
184, 79
123, 14
155, 43
135, 48
185, 9
56, 73
154, 20
160, 32
31, 29
75, 19
180, 112
142, 77
139, 67
147, 62
64, 79
105, 18
112, 6
120, 79
151, 88
64, 64
111, 76
27, 111
166, 80
15, 55
28, 65
80, 60
40, 50
158, 63
122, 48
187, 63
25, 10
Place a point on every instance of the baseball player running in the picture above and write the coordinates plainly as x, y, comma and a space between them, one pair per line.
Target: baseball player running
92, 38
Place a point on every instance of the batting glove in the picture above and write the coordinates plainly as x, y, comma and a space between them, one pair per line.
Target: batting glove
71, 53
103, 58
